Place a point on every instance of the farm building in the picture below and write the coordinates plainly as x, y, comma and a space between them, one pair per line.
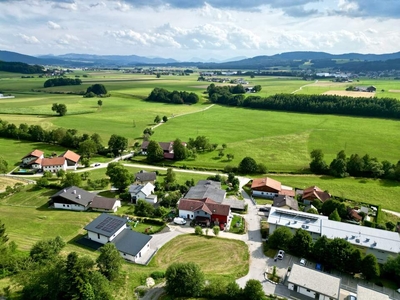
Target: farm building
314, 193
269, 188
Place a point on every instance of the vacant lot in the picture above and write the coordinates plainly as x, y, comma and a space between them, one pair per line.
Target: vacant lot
8, 181
350, 94
216, 256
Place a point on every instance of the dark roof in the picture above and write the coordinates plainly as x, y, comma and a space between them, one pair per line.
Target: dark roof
131, 242
207, 205
211, 190
103, 202
166, 146
146, 176
234, 203
282, 200
74, 194
106, 224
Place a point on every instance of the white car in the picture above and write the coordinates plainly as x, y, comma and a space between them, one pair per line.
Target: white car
303, 262
179, 221
281, 254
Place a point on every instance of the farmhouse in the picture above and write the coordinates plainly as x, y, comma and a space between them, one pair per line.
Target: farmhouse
142, 192
313, 193
201, 209
75, 198
108, 228
33, 156
313, 283
54, 164
144, 177
72, 159
380, 243
269, 188
167, 147
35, 160
370, 89
286, 202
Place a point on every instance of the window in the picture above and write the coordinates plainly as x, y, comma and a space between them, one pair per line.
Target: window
98, 236
63, 205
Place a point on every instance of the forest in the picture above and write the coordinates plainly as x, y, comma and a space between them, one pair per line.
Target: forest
17, 67
176, 97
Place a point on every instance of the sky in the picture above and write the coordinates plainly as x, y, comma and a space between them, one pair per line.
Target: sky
187, 29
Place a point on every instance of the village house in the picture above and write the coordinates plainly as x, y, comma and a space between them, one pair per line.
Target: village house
167, 147
33, 159
144, 177
72, 159
142, 192
69, 160
314, 193
286, 202
106, 228
269, 188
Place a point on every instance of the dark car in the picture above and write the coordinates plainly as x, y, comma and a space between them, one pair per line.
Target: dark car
96, 165
264, 209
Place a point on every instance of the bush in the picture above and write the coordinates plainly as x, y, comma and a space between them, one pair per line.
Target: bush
198, 230
157, 275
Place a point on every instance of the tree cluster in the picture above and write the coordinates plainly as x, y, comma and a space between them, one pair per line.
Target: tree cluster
187, 280
61, 81
355, 165
18, 67
227, 95
176, 97
336, 253
95, 90
248, 165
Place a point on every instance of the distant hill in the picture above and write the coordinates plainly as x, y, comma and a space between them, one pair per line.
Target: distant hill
19, 67
9, 56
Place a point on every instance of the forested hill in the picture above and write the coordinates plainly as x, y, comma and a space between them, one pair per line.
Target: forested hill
18, 67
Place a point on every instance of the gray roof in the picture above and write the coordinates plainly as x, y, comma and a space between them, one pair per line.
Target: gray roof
364, 293
74, 194
131, 242
145, 176
316, 281
106, 224
284, 200
207, 189
234, 203
103, 202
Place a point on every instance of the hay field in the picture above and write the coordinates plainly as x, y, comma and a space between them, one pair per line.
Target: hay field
350, 94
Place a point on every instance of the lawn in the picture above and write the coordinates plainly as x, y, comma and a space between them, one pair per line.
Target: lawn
237, 225
215, 256
373, 191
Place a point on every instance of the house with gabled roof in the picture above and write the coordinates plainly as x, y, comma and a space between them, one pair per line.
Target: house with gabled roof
287, 202
54, 164
167, 147
143, 177
34, 156
269, 188
313, 193
193, 209
207, 189
113, 229
104, 204
142, 192
72, 159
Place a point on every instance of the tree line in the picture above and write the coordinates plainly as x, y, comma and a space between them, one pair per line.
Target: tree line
321, 104
228, 95
61, 81
18, 67
176, 97
354, 165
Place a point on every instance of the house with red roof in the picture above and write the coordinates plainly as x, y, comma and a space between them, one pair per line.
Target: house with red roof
270, 188
204, 210
33, 159
313, 193
72, 159
36, 160
54, 164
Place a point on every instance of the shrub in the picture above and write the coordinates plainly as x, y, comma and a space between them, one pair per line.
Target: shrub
157, 274
198, 230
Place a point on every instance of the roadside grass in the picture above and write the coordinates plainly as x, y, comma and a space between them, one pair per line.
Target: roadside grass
8, 181
202, 251
373, 191
237, 225
263, 201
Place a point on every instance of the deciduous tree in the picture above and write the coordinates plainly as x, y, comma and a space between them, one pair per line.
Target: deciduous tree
184, 280
120, 177
109, 261
280, 238
253, 290
154, 152
61, 109
301, 243
117, 144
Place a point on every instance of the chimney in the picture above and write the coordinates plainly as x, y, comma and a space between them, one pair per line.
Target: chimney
79, 197
74, 192
65, 190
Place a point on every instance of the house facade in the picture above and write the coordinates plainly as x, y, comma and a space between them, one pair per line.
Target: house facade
34, 156
54, 164
105, 228
269, 188
69, 160
193, 209
107, 205
72, 159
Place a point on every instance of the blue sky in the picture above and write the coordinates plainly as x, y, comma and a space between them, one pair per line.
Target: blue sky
183, 29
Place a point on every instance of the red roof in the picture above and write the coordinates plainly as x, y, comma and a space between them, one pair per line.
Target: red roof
290, 193
269, 182
70, 155
314, 192
207, 205
35, 153
36, 161
54, 161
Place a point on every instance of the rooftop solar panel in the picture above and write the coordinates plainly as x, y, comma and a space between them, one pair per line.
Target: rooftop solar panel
109, 224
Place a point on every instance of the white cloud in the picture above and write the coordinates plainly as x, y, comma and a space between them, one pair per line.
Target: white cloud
53, 25
29, 39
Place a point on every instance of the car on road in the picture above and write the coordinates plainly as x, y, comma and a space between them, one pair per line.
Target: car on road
303, 262
96, 165
281, 254
179, 221
264, 208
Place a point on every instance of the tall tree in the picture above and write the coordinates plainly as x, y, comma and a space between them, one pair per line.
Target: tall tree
317, 164
87, 148
280, 238
47, 249
120, 177
109, 261
370, 267
3, 165
184, 280
71, 179
180, 151
61, 109
253, 290
248, 166
301, 243
320, 248
334, 216
3, 235
117, 144
97, 89
154, 152
157, 119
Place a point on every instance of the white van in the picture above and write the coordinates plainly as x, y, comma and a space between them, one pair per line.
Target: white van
179, 221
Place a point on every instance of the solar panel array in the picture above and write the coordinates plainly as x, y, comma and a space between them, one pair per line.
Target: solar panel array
109, 224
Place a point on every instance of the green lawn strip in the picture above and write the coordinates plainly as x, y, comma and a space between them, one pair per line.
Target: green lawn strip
237, 225
373, 191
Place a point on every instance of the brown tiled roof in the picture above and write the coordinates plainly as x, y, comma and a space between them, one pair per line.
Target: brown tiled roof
54, 161
166, 146
145, 144
206, 204
103, 202
36, 161
36, 153
260, 182
354, 214
290, 193
70, 155
315, 192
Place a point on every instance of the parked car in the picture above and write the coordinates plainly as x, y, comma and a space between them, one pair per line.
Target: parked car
351, 297
179, 221
303, 262
281, 254
263, 208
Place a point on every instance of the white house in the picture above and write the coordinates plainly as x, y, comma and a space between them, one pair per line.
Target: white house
72, 159
109, 228
143, 192
33, 156
381, 243
313, 283
54, 164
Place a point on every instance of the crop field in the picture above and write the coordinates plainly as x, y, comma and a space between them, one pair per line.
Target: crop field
350, 94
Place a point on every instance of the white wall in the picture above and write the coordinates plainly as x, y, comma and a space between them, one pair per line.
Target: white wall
115, 234
380, 255
263, 194
184, 213
151, 200
94, 237
127, 256
304, 291
69, 206
54, 169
